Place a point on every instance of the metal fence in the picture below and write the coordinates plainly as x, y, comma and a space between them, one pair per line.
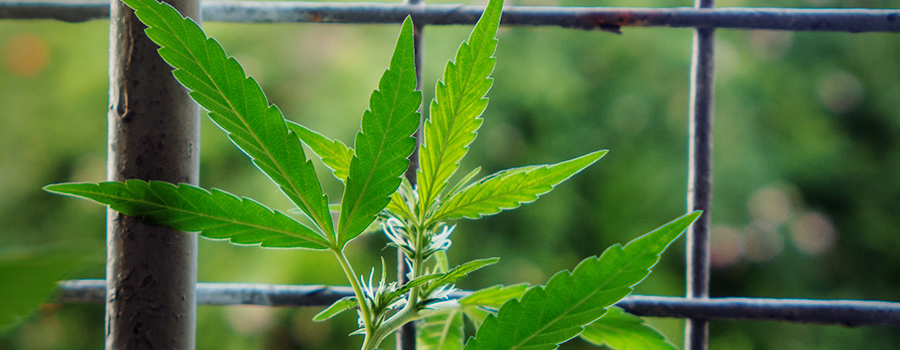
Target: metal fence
697, 307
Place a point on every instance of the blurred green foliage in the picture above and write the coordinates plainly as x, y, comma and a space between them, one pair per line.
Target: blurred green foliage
806, 163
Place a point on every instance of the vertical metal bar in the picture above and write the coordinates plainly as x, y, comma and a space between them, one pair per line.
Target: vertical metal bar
406, 335
700, 177
151, 272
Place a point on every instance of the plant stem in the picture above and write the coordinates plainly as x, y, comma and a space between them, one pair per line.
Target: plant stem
360, 297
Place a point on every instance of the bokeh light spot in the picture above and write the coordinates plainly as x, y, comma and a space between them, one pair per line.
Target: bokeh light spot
762, 242
813, 233
841, 92
726, 247
26, 55
772, 204
250, 320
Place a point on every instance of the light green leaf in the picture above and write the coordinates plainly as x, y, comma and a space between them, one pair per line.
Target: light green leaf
620, 330
483, 302
459, 272
495, 296
546, 316
384, 143
441, 331
343, 304
236, 104
510, 188
455, 112
334, 153
216, 214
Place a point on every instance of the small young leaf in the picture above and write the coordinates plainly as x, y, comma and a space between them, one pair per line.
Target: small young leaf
510, 188
441, 331
216, 214
334, 153
384, 143
344, 304
236, 104
620, 330
495, 296
546, 316
455, 112
459, 272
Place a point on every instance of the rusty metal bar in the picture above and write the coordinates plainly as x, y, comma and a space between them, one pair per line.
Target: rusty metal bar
832, 312
604, 18
154, 134
699, 187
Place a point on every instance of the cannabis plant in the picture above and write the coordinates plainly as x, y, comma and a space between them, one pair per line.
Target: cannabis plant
417, 219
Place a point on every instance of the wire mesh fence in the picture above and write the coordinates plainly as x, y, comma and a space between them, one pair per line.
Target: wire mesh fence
697, 306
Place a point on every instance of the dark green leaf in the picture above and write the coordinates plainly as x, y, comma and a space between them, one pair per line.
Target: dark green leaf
547, 316
217, 214
384, 143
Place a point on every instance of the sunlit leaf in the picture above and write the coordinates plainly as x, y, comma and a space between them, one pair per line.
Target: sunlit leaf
236, 104
508, 189
548, 315
215, 214
620, 330
495, 296
455, 112
384, 143
460, 271
343, 304
334, 153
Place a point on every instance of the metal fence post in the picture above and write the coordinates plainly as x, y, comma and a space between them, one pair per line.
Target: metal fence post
153, 131
699, 195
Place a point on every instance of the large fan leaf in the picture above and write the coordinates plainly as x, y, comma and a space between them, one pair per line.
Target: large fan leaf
508, 189
216, 214
384, 143
455, 112
547, 316
620, 330
334, 153
236, 104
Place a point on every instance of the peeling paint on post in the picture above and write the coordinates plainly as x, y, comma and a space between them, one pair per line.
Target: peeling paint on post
151, 272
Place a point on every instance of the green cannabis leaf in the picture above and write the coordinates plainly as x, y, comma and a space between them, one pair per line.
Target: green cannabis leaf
215, 214
343, 304
547, 316
384, 142
510, 188
455, 112
334, 153
236, 104
621, 330
442, 331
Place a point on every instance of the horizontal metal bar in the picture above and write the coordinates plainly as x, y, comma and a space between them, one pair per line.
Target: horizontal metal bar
604, 18
836, 312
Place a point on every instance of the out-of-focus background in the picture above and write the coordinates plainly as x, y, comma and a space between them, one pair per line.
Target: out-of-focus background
806, 166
